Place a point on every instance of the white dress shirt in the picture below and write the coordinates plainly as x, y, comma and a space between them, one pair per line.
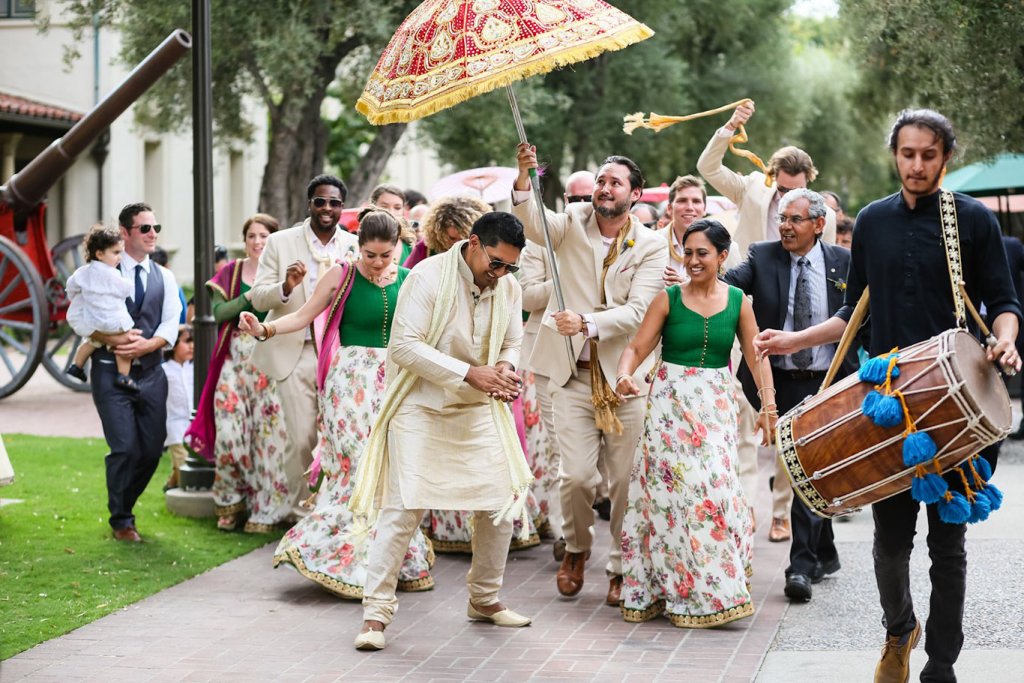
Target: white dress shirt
171, 314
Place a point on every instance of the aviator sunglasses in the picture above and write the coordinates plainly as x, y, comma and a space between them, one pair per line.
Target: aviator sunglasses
495, 263
146, 228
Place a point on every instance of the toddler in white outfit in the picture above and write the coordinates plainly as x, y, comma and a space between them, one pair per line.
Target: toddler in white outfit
98, 294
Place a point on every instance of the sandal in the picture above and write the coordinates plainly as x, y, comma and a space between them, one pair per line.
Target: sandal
257, 528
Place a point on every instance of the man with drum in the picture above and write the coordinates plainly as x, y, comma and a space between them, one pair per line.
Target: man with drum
793, 283
898, 249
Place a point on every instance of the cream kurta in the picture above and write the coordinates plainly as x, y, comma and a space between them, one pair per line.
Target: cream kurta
442, 441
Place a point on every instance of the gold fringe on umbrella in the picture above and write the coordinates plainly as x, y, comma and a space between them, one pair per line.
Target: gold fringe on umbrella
659, 122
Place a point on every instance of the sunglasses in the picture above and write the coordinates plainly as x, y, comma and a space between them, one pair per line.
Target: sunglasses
320, 202
573, 198
146, 228
495, 263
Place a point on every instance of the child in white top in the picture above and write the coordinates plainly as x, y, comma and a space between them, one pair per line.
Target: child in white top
98, 294
180, 394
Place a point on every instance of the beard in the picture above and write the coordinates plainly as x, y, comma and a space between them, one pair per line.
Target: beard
614, 212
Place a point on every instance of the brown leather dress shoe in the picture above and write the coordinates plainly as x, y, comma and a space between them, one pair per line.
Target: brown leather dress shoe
614, 591
779, 531
570, 574
129, 534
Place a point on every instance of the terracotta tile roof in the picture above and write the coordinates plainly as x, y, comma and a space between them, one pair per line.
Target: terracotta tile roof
22, 106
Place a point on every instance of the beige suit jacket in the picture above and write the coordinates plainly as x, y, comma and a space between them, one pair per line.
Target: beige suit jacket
749, 193
278, 356
537, 288
632, 282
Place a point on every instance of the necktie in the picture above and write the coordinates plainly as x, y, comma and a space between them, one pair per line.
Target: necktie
802, 311
140, 293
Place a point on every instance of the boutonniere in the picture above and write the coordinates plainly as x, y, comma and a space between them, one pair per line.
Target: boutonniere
628, 243
839, 283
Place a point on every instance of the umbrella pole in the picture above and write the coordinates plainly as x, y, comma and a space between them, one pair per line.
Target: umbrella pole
538, 196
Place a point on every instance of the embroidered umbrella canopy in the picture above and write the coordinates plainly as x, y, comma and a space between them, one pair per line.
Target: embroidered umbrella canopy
448, 51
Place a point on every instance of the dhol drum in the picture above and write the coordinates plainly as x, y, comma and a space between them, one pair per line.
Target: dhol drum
839, 460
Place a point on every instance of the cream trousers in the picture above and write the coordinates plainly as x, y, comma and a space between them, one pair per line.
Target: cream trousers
580, 444
299, 404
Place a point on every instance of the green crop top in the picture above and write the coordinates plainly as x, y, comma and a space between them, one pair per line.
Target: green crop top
369, 311
690, 339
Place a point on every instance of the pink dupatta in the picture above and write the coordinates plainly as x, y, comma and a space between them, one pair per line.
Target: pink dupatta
202, 432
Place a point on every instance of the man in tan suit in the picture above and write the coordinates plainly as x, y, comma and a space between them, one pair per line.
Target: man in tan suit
611, 268
289, 267
757, 208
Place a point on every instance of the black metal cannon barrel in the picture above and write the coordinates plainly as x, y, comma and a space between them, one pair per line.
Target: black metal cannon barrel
30, 185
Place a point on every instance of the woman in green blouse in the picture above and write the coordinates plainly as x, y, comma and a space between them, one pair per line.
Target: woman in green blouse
688, 538
351, 311
238, 425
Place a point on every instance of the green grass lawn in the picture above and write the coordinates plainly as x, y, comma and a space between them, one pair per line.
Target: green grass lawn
59, 566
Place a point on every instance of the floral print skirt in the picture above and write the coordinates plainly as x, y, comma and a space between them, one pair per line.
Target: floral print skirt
249, 449
543, 458
687, 537
330, 546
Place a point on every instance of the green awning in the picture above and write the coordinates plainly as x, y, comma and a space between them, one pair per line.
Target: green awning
1003, 174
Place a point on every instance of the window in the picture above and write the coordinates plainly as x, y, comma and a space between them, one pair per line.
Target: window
17, 9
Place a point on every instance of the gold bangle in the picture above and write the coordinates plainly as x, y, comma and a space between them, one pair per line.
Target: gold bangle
271, 330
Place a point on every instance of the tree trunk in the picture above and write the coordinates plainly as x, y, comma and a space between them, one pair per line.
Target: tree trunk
298, 139
365, 177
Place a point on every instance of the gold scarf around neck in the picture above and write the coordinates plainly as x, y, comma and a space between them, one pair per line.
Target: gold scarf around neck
603, 396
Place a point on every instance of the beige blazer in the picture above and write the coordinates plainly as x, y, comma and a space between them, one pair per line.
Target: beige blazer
537, 288
278, 355
632, 282
749, 193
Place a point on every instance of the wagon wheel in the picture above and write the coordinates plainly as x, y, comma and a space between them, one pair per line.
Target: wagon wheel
24, 318
63, 342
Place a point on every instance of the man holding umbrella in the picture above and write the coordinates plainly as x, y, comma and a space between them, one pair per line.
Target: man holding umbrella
615, 267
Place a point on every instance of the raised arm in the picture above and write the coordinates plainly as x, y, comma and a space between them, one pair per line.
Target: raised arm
525, 210
728, 182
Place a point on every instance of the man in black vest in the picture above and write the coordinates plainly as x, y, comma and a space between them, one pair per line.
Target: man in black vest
795, 282
135, 425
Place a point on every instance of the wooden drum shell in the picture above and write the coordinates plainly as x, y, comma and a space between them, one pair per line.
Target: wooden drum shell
838, 460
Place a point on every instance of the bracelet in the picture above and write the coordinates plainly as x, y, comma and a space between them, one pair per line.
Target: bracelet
269, 330
621, 377
583, 325
763, 389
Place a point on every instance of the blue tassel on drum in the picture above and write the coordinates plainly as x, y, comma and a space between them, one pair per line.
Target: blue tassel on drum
918, 448
994, 495
954, 508
929, 488
983, 468
980, 509
884, 411
876, 370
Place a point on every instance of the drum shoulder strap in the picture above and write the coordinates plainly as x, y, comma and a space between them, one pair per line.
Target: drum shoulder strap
951, 240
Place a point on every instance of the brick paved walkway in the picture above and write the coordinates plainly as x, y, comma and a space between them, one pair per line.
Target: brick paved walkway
246, 622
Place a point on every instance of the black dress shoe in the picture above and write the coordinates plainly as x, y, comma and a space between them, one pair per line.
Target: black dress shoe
798, 587
823, 569
604, 509
1017, 435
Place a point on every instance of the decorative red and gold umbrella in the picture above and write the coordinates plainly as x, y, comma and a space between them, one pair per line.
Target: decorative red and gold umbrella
448, 51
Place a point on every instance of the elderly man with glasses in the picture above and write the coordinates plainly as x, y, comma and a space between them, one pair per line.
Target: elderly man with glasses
289, 267
797, 281
757, 199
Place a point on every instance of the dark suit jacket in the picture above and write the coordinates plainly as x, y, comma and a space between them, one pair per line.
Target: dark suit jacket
1015, 259
765, 276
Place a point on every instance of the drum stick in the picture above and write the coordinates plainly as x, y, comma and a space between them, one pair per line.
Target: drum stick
856, 319
990, 339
